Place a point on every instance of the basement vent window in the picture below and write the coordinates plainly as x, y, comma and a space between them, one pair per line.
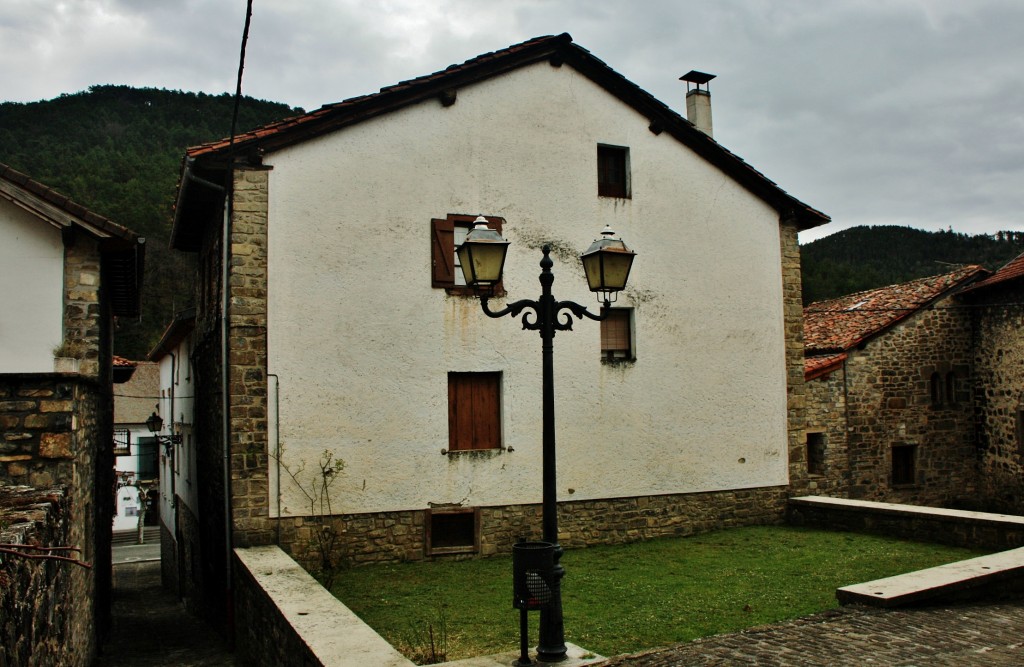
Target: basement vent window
452, 531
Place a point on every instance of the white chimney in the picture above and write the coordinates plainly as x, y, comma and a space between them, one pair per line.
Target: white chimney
698, 100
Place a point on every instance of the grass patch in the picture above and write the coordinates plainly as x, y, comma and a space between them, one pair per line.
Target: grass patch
624, 598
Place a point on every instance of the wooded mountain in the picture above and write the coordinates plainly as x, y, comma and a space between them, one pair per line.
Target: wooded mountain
862, 258
117, 150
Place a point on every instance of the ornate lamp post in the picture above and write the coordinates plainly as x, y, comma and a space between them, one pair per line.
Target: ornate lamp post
607, 263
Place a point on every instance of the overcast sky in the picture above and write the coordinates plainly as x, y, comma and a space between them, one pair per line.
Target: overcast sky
876, 112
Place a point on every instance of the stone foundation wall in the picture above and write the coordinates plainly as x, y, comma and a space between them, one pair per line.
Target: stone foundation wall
401, 536
43, 618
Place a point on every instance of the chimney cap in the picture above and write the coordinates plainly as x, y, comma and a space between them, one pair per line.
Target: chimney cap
698, 78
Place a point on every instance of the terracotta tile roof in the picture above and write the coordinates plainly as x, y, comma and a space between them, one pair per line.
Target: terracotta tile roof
207, 160
121, 361
837, 325
1014, 269
815, 367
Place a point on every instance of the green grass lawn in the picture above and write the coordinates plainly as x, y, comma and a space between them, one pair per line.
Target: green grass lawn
619, 599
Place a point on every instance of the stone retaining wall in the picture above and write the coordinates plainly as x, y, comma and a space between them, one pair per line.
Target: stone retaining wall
958, 528
43, 619
284, 617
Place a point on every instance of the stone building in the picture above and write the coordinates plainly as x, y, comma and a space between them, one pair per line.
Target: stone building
67, 273
915, 392
330, 317
997, 307
890, 416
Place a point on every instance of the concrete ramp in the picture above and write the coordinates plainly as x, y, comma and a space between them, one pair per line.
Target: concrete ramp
994, 575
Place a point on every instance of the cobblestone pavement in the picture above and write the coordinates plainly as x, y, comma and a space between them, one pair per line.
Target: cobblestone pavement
152, 628
981, 634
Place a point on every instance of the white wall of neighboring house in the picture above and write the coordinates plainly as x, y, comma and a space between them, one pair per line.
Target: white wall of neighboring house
127, 506
362, 344
178, 471
32, 273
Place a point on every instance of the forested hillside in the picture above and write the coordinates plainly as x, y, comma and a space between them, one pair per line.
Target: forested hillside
117, 150
863, 258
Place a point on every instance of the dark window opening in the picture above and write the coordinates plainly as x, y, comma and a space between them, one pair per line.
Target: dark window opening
936, 389
1020, 428
452, 531
474, 411
816, 453
612, 171
903, 464
950, 388
617, 335
149, 458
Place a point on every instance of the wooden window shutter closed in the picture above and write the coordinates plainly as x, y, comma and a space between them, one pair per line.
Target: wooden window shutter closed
442, 251
474, 414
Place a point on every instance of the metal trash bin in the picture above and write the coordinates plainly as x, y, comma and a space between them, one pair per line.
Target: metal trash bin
533, 570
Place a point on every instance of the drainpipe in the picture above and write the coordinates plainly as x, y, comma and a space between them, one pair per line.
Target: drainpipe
226, 399
274, 394
174, 460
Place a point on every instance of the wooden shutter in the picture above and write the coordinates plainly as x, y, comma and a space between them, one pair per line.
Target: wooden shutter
442, 252
474, 414
616, 337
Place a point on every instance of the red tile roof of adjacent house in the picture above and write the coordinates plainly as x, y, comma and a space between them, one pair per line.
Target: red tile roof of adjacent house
837, 325
1011, 271
208, 160
815, 367
121, 361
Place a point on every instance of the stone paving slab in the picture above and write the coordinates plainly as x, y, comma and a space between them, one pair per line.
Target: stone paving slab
956, 636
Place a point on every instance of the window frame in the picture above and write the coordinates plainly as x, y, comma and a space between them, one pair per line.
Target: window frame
431, 530
613, 172
443, 274
485, 391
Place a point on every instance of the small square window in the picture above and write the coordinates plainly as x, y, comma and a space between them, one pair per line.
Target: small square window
474, 411
452, 531
612, 171
903, 464
815, 453
617, 335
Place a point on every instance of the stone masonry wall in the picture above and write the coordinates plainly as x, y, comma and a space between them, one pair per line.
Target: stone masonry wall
400, 536
250, 488
49, 436
999, 395
796, 389
40, 603
826, 414
890, 404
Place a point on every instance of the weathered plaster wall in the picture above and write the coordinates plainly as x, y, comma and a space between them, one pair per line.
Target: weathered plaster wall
999, 393
363, 344
32, 258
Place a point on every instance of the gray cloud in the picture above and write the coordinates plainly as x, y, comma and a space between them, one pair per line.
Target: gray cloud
902, 112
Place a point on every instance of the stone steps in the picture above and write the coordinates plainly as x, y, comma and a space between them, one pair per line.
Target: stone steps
121, 538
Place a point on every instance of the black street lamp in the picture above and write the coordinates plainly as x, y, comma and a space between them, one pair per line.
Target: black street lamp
606, 263
155, 424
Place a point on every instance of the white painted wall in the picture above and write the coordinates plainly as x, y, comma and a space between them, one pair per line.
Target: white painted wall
178, 472
362, 343
31, 296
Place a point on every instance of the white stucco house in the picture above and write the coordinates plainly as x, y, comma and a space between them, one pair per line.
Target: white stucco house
346, 329
136, 451
179, 500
